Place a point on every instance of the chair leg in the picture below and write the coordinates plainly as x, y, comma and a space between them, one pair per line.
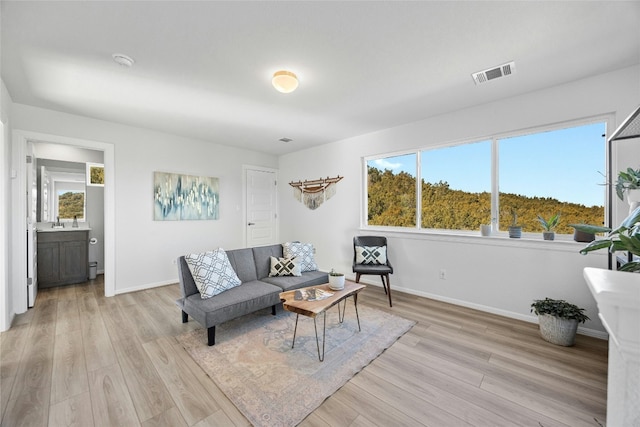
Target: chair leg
185, 317
357, 277
211, 335
389, 289
384, 285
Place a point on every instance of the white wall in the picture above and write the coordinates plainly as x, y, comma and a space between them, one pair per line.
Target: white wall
145, 249
497, 274
6, 312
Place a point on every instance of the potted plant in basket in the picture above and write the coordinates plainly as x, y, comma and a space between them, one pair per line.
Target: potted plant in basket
558, 320
336, 280
549, 226
624, 238
515, 230
629, 182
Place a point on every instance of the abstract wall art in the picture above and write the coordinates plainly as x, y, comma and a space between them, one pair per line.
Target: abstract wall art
178, 197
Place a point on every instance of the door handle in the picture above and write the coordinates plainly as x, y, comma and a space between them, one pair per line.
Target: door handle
252, 223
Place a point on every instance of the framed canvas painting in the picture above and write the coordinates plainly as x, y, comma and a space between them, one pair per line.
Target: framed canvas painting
95, 174
179, 197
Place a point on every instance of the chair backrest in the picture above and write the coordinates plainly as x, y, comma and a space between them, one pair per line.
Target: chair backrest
369, 241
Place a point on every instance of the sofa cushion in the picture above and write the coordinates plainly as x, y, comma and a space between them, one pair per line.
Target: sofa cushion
244, 299
371, 255
212, 272
303, 251
309, 278
243, 264
285, 267
262, 256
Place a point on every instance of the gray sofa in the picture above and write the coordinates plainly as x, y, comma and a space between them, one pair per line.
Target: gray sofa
257, 291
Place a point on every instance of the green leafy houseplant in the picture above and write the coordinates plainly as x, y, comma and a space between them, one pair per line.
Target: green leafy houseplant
559, 308
551, 223
627, 180
624, 238
336, 280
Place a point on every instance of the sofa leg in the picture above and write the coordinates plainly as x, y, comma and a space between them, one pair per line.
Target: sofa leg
185, 317
273, 310
211, 335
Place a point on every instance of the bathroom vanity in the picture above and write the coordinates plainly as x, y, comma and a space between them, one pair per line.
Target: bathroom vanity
63, 256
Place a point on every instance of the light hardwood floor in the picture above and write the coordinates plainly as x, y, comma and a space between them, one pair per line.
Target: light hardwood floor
80, 359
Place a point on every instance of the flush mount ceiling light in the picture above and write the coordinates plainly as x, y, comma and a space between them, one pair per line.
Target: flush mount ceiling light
122, 59
284, 81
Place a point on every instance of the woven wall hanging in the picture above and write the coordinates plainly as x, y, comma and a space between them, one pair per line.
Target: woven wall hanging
314, 193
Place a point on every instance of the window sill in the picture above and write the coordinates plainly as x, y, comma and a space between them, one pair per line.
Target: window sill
562, 242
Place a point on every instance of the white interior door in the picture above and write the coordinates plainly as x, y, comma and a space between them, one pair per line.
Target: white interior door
261, 207
32, 236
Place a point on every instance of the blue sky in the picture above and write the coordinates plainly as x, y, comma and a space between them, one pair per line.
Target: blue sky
565, 164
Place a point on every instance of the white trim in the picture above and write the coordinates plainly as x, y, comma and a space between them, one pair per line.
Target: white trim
18, 244
504, 313
146, 286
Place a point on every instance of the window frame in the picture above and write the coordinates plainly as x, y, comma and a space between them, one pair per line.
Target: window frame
609, 124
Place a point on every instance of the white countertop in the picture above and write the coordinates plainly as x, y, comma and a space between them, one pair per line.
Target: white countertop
66, 228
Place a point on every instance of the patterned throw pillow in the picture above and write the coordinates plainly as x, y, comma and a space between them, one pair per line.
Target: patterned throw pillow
302, 251
212, 272
371, 255
285, 267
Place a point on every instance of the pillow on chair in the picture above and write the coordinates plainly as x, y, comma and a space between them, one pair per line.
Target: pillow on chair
371, 255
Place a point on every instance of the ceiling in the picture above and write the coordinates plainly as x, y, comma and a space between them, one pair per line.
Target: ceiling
203, 69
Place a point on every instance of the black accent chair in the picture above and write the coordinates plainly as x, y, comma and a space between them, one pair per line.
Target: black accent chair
382, 270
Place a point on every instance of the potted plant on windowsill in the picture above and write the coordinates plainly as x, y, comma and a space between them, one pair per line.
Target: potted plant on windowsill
629, 182
558, 320
549, 226
336, 280
624, 238
515, 230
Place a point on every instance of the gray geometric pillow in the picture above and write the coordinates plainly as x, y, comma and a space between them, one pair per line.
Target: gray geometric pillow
371, 255
212, 272
302, 251
284, 267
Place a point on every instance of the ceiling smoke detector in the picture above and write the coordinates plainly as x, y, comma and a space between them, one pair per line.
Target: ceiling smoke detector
494, 73
122, 59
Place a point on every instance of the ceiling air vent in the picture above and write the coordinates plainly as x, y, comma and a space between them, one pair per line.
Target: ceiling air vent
494, 73
285, 139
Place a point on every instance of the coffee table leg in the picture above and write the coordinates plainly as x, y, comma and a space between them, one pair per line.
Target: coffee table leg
294, 331
324, 330
344, 309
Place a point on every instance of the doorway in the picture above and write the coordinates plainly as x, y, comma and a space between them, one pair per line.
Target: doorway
19, 201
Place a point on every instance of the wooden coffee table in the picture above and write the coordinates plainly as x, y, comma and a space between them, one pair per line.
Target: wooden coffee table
314, 308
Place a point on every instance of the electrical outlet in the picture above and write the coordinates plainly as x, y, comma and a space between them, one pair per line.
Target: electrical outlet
443, 274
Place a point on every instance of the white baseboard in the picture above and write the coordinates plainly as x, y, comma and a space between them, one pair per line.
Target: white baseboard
510, 314
146, 286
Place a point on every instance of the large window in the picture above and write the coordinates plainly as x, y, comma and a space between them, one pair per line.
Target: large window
481, 182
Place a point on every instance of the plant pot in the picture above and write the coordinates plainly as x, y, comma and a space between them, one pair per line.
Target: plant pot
485, 230
581, 236
557, 330
515, 232
633, 198
548, 235
336, 282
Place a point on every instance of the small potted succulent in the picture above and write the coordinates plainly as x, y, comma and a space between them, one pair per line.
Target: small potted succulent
558, 320
336, 280
515, 230
549, 226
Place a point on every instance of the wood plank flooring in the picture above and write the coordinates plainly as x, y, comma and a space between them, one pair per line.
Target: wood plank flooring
80, 359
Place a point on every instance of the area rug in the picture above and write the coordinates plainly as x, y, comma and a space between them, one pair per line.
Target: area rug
274, 385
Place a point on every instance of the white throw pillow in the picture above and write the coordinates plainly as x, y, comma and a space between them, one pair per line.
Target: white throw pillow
285, 267
302, 251
371, 255
212, 272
